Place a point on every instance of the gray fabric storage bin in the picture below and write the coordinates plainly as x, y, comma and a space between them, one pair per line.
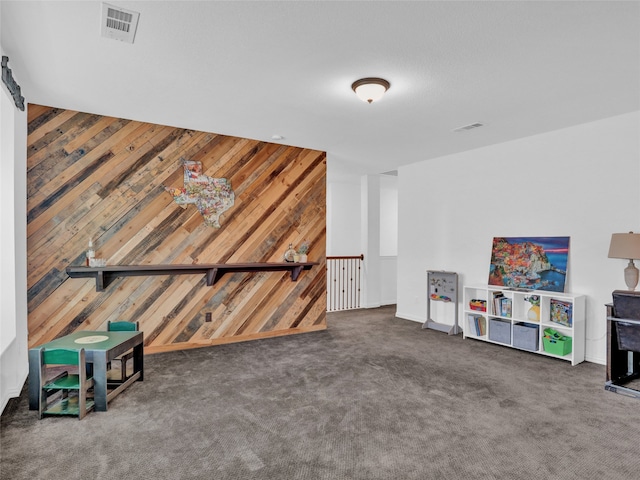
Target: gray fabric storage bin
500, 331
526, 336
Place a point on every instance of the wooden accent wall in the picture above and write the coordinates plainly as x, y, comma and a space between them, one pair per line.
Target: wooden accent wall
91, 176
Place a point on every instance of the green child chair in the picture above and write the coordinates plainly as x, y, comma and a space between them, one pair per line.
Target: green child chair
124, 358
66, 393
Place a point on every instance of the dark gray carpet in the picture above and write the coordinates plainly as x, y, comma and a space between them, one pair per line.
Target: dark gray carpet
373, 397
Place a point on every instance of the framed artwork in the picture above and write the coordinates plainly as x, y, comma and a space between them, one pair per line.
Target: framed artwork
531, 263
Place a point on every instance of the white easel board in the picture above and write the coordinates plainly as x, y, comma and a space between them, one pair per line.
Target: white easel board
442, 287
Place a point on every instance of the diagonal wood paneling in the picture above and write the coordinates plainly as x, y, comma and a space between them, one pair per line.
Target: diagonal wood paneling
90, 176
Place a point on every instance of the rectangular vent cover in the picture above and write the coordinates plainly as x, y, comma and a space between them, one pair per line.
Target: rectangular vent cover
471, 126
118, 23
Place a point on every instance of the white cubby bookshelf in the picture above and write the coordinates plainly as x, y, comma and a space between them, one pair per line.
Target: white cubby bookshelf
516, 301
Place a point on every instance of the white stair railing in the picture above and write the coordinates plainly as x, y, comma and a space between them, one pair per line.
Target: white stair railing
343, 282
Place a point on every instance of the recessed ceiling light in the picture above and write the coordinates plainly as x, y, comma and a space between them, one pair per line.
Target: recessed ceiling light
277, 137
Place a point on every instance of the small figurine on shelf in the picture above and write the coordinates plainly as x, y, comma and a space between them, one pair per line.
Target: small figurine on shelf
534, 312
303, 249
98, 262
91, 253
289, 255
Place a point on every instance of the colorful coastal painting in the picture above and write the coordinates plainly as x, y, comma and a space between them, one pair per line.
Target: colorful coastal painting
532, 263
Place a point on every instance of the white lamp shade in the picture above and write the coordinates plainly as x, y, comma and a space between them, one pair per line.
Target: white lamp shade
370, 92
625, 245
370, 89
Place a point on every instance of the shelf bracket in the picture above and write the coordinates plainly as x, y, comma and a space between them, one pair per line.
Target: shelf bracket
295, 273
100, 284
213, 275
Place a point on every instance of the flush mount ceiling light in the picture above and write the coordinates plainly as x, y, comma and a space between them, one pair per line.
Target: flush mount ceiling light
370, 89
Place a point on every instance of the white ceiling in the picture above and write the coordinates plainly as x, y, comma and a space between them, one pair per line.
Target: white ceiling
255, 69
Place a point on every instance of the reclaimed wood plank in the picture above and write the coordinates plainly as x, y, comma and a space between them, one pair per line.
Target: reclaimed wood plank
35, 136
40, 116
33, 112
122, 204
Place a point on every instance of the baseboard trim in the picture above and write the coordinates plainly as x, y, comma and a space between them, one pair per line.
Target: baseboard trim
373, 305
598, 360
13, 392
226, 340
408, 316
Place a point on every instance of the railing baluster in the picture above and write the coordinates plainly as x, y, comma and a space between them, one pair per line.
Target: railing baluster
343, 282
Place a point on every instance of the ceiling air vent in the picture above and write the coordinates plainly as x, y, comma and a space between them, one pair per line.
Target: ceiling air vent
118, 23
471, 126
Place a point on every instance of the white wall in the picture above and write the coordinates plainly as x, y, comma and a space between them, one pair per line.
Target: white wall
388, 216
388, 280
388, 239
13, 248
362, 218
582, 182
370, 241
343, 218
7, 215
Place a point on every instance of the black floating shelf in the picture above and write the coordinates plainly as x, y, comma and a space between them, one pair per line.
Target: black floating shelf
105, 275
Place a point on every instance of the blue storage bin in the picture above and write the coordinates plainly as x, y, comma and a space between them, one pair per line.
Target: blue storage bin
500, 331
526, 336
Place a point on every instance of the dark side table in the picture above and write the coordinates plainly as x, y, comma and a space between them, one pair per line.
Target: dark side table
623, 353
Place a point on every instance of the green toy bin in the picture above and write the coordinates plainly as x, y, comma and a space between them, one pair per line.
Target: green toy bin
556, 343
